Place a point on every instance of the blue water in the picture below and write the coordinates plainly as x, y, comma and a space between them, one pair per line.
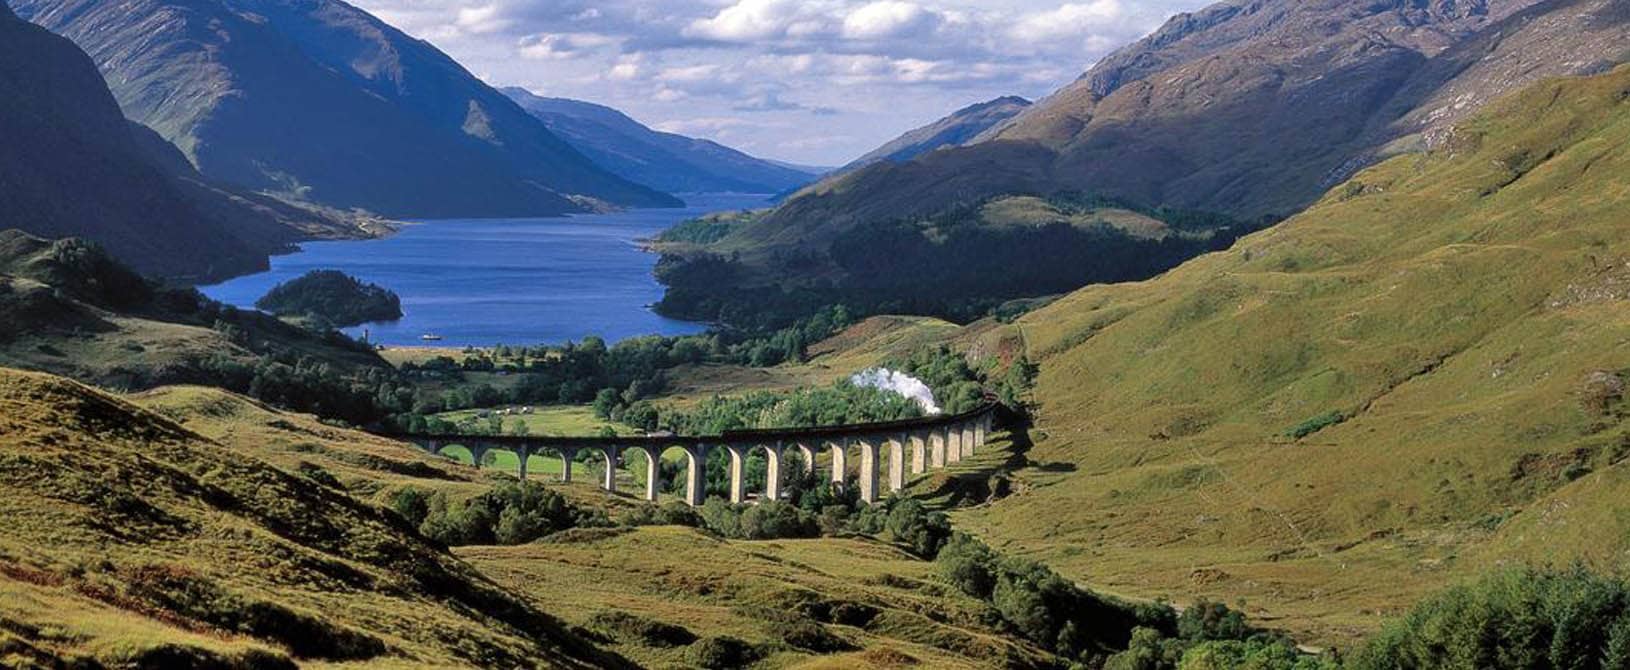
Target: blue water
481, 282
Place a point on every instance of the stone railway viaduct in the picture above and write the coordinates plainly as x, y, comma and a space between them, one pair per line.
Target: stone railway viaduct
922, 444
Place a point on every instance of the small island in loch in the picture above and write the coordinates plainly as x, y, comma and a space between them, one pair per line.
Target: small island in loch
333, 297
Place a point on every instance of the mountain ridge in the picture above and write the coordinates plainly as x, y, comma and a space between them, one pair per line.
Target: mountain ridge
955, 129
664, 161
73, 165
323, 102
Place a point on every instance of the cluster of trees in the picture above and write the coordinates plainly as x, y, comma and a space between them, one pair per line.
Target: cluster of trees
1045, 608
512, 513
1211, 636
322, 372
331, 298
837, 404
707, 229
1515, 618
958, 386
1518, 618
614, 378
812, 508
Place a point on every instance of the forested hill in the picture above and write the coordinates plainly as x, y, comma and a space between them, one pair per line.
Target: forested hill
319, 100
959, 264
1420, 377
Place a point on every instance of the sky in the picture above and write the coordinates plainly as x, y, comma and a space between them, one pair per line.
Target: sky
815, 82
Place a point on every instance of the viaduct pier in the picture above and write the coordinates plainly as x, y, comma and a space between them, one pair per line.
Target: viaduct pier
912, 446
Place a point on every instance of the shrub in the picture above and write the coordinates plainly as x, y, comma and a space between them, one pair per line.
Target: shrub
1206, 620
768, 520
812, 637
512, 513
720, 653
966, 563
1315, 424
635, 629
671, 514
411, 504
911, 524
320, 475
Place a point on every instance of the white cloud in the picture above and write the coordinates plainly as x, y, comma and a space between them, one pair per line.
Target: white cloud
562, 46
1067, 22
481, 20
625, 71
752, 20
887, 18
852, 73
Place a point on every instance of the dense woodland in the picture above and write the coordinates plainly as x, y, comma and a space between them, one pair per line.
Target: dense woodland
953, 265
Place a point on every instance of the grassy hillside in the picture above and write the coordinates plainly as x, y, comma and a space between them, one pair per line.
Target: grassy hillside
150, 567
827, 603
130, 540
1419, 377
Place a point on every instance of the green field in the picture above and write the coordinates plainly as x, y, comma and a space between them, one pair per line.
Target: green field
559, 421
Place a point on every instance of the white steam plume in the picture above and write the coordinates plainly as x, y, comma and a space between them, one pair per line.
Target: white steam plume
900, 383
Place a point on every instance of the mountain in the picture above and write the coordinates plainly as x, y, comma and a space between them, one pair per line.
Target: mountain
73, 165
1420, 377
954, 130
664, 161
1249, 109
318, 100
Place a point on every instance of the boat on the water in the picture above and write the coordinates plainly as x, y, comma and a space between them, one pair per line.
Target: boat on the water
430, 337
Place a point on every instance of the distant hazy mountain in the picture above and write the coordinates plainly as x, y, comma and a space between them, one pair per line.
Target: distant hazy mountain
72, 165
816, 170
957, 129
318, 99
665, 161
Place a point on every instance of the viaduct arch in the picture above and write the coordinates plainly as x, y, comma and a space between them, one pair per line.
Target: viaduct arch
913, 446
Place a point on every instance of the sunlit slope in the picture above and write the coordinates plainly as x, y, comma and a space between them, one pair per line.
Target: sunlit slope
779, 597
130, 540
1449, 334
824, 603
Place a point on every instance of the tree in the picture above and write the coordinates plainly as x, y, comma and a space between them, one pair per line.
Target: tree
606, 402
910, 523
968, 564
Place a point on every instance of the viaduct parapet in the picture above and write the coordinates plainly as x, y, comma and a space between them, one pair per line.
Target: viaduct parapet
912, 447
